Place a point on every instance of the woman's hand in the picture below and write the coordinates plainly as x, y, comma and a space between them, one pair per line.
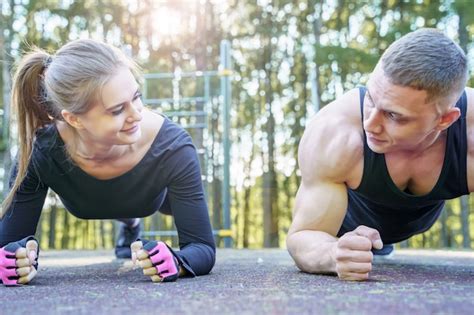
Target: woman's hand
19, 261
156, 259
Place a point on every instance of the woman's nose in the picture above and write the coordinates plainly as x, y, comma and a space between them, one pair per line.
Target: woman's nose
135, 112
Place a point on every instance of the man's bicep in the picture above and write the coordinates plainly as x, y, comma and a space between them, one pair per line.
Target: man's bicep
320, 207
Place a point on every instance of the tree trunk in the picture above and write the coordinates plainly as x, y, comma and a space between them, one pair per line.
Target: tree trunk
78, 234
238, 216
247, 194
466, 237
216, 180
270, 194
317, 35
52, 226
200, 51
7, 62
444, 237
65, 237
246, 210
102, 234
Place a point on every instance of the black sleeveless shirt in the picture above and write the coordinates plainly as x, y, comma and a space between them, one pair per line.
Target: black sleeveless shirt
396, 214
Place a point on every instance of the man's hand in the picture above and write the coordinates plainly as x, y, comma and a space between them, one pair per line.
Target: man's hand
353, 253
19, 261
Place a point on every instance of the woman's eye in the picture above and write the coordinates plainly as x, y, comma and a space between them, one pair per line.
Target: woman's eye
117, 112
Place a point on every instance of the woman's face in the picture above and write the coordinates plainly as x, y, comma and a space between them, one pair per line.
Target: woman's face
115, 117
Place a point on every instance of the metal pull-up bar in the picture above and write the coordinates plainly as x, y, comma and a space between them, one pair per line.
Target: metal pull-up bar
224, 73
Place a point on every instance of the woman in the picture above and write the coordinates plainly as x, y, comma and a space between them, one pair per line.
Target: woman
84, 133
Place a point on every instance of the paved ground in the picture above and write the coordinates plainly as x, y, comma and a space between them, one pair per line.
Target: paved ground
245, 282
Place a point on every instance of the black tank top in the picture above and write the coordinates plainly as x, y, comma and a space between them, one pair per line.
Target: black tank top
396, 214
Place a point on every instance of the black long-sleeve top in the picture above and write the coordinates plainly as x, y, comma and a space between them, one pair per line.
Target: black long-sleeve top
170, 167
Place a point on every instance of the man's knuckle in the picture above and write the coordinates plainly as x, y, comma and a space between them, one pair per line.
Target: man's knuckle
343, 242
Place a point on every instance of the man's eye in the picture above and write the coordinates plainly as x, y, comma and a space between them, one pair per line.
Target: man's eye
137, 96
369, 102
393, 116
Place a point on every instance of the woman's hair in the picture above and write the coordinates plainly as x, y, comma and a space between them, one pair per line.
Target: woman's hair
45, 84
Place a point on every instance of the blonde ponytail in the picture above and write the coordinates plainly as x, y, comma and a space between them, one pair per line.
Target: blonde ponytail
29, 103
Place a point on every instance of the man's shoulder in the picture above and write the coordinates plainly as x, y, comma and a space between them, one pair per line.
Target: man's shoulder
470, 137
470, 118
470, 103
332, 144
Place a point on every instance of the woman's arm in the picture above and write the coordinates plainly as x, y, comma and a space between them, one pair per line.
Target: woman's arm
21, 219
189, 209
18, 248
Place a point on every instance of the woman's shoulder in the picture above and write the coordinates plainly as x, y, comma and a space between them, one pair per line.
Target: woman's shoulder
47, 138
171, 149
47, 150
171, 135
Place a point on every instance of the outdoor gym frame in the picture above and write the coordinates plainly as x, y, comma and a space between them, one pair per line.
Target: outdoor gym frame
200, 123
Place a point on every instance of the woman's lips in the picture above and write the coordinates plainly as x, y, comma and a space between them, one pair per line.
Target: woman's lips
131, 130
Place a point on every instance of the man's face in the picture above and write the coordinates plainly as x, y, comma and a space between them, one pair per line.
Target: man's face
397, 118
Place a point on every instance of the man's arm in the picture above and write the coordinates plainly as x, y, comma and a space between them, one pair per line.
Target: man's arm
330, 156
312, 242
311, 239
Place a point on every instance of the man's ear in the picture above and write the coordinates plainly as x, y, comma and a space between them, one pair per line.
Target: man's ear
448, 118
72, 119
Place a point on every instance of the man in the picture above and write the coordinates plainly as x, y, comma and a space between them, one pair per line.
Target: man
378, 163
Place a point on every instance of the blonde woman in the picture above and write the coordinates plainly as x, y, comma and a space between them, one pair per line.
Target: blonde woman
84, 133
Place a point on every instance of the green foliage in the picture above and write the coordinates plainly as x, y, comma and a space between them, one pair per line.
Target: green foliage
278, 46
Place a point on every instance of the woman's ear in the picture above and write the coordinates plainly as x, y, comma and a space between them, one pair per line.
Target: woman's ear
72, 119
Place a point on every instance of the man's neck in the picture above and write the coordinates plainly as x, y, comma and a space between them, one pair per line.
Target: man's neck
430, 142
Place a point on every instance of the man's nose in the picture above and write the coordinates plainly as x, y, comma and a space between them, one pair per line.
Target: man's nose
373, 121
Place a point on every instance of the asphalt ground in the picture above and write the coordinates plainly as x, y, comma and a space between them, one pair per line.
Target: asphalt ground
245, 282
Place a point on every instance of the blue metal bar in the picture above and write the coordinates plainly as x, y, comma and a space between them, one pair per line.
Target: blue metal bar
225, 69
226, 233
185, 113
194, 126
314, 88
207, 108
144, 91
157, 101
171, 75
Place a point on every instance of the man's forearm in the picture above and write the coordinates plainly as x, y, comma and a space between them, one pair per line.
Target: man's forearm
313, 251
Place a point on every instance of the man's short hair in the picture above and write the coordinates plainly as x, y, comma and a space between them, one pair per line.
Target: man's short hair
426, 60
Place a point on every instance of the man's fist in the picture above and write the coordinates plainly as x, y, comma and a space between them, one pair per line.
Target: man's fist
19, 261
354, 255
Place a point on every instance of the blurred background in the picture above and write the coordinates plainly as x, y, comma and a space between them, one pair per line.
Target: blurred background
244, 77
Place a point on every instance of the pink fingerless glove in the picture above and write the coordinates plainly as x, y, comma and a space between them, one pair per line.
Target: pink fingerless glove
8, 266
164, 260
